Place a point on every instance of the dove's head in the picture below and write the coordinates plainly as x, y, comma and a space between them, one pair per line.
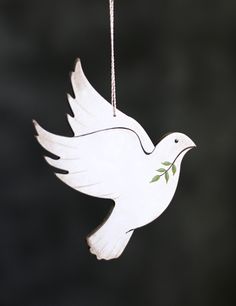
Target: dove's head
174, 146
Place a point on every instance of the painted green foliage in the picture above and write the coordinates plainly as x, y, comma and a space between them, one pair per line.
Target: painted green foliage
165, 172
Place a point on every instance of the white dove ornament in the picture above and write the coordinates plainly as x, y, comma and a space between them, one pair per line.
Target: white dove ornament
113, 158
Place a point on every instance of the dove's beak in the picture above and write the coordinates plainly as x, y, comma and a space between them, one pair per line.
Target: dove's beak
192, 145
188, 149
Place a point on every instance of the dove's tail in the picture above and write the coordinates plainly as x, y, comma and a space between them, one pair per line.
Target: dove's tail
108, 242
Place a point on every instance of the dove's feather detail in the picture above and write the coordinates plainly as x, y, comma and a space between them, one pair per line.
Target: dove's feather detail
94, 161
108, 244
92, 112
110, 240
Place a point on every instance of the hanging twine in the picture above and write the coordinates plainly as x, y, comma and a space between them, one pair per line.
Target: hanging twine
113, 77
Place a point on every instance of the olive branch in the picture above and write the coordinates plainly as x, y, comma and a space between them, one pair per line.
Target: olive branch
165, 172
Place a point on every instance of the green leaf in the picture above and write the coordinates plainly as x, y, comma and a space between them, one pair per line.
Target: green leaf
173, 168
155, 178
167, 177
166, 163
161, 170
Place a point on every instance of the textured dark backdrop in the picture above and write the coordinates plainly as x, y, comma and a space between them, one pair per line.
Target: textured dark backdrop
176, 71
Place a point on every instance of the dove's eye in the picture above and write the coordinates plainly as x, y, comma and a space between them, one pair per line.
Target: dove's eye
176, 140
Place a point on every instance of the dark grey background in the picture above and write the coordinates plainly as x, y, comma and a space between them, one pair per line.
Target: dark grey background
176, 71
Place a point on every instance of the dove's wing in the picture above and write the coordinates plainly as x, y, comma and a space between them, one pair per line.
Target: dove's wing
105, 152
92, 112
102, 163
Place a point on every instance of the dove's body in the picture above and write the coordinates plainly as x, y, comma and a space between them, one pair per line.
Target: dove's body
113, 157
